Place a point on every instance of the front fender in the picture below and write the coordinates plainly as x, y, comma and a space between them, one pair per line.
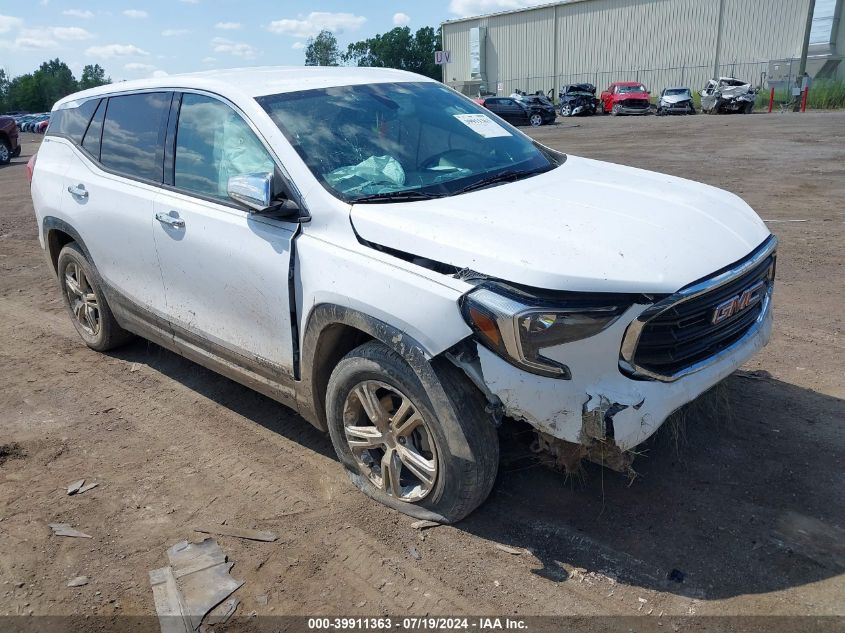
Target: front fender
316, 351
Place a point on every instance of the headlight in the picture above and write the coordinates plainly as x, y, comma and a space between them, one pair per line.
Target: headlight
519, 328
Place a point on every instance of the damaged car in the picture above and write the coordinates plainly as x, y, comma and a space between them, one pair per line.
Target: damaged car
675, 101
399, 265
625, 97
575, 99
728, 94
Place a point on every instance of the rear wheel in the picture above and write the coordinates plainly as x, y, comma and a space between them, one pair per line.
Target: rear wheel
89, 312
535, 120
5, 152
393, 441
566, 109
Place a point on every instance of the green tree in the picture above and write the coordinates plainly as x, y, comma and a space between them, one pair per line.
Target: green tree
398, 48
4, 91
322, 50
39, 90
93, 76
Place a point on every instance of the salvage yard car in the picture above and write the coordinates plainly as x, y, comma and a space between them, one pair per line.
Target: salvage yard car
575, 99
675, 101
526, 110
727, 94
399, 266
625, 97
9, 144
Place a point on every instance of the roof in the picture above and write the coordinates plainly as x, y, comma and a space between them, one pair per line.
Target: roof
520, 10
627, 83
257, 81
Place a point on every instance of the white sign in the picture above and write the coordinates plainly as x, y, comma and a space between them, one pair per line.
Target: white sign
500, 87
442, 57
482, 124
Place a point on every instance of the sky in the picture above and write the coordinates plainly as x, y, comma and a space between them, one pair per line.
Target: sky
134, 38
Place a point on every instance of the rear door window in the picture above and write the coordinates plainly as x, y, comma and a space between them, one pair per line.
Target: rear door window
133, 135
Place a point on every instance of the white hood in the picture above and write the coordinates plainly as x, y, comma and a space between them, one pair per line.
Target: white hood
675, 98
585, 226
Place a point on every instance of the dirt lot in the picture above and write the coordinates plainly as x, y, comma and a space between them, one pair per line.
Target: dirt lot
750, 508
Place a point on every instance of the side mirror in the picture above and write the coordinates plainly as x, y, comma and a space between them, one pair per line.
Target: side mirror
253, 190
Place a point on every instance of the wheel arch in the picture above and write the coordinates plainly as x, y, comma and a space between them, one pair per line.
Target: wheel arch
332, 331
57, 234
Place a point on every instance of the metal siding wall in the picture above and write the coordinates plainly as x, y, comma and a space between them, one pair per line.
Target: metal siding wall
456, 39
763, 29
612, 39
601, 41
520, 47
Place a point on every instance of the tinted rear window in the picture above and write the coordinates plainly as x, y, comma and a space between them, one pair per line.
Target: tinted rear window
72, 122
131, 134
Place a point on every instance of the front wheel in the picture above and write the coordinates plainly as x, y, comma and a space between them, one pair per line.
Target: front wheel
5, 153
535, 120
616, 110
566, 109
397, 446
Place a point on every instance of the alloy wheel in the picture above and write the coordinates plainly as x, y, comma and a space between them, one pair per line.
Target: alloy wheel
82, 300
5, 155
566, 110
390, 441
535, 120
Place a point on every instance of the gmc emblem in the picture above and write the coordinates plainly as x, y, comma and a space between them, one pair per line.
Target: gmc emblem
747, 298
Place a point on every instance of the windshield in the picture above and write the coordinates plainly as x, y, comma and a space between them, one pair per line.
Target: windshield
677, 91
392, 140
624, 89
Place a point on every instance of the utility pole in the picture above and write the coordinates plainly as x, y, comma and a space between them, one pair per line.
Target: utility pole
802, 65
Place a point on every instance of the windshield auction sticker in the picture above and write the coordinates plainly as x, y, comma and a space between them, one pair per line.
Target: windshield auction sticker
482, 124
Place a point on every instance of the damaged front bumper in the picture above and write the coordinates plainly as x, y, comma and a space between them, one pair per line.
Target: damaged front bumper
600, 407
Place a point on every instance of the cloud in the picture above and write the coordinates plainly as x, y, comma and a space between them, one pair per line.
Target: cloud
239, 49
137, 66
159, 73
70, 33
174, 32
298, 46
228, 26
401, 19
33, 43
315, 22
135, 14
110, 51
190, 1
209, 60
7, 23
464, 8
79, 13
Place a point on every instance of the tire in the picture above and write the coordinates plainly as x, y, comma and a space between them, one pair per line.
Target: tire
5, 152
748, 109
458, 485
566, 109
86, 304
535, 120
616, 110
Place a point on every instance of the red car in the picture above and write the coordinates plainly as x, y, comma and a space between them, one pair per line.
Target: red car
9, 145
626, 97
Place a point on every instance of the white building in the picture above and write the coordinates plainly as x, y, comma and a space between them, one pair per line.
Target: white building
657, 42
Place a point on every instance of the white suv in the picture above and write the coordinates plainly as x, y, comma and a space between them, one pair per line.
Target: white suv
399, 265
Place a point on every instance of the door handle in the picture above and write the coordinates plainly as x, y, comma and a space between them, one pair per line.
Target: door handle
169, 220
78, 191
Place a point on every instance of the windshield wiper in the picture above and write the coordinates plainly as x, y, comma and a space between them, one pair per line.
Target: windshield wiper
510, 175
397, 196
